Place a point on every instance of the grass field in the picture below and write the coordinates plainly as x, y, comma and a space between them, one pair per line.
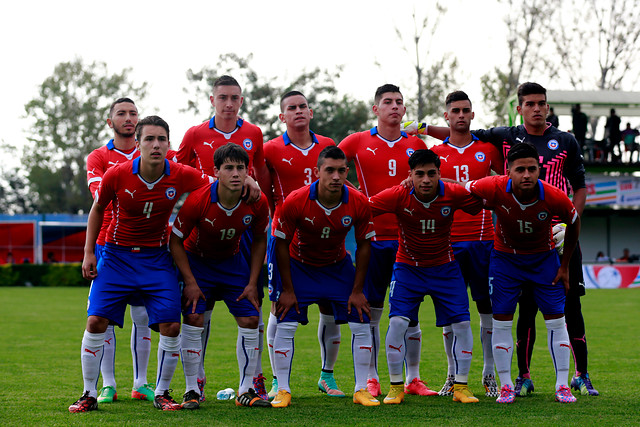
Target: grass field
40, 374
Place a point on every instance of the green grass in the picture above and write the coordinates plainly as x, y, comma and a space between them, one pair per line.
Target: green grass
40, 374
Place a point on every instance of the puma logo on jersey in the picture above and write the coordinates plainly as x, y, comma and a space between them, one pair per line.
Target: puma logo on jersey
92, 171
288, 161
520, 139
506, 208
95, 353
409, 211
445, 158
310, 220
210, 144
373, 150
210, 221
179, 222
112, 163
280, 223
130, 192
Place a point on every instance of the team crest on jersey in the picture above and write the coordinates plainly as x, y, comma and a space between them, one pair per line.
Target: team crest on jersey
346, 220
480, 156
446, 211
247, 219
247, 144
410, 152
553, 144
543, 215
170, 193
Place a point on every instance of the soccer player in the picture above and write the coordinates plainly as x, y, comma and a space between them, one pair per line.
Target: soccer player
524, 253
135, 259
291, 159
315, 267
197, 148
380, 157
205, 245
425, 265
465, 158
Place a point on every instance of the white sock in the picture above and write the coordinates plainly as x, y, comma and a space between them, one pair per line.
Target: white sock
168, 356
108, 358
140, 344
413, 340
191, 349
247, 354
361, 352
395, 347
260, 346
91, 353
329, 339
560, 349
284, 348
502, 340
271, 336
462, 349
205, 340
374, 327
447, 339
486, 330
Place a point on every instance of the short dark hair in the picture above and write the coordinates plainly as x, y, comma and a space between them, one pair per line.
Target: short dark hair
423, 157
331, 152
384, 89
457, 95
230, 152
151, 121
225, 80
119, 101
523, 150
530, 88
289, 94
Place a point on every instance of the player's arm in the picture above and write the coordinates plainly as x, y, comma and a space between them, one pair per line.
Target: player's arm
572, 232
94, 222
580, 199
383, 202
258, 251
191, 292
287, 299
357, 298
184, 154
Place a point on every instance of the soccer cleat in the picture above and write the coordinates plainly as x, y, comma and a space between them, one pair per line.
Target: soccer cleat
85, 404
461, 393
523, 387
417, 386
447, 388
327, 384
252, 400
507, 394
274, 388
165, 402
201, 384
583, 383
490, 386
395, 395
107, 394
282, 399
563, 395
190, 400
373, 385
143, 393
364, 398
258, 387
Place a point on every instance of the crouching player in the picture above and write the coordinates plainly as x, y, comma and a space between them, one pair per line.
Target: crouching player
425, 266
524, 254
315, 267
135, 258
205, 244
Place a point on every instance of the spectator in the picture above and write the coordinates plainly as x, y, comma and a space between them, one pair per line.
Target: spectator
580, 121
625, 256
629, 139
601, 257
10, 258
612, 132
552, 118
51, 258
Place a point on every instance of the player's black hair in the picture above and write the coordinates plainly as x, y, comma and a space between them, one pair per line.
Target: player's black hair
385, 89
457, 95
225, 80
119, 101
289, 94
523, 150
151, 121
331, 152
530, 88
230, 152
423, 157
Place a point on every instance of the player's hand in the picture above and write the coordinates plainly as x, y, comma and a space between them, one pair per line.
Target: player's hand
359, 301
251, 293
89, 266
286, 301
407, 183
563, 274
251, 188
558, 237
191, 294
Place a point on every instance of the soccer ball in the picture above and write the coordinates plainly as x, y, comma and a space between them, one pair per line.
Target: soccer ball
558, 237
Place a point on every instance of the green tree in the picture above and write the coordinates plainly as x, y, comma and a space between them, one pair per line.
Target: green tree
68, 118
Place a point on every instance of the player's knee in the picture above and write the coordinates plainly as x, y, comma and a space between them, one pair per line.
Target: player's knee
250, 322
97, 324
170, 329
484, 306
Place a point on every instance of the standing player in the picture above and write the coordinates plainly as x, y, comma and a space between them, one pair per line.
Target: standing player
465, 158
425, 265
291, 159
209, 226
197, 148
135, 259
315, 267
380, 155
525, 253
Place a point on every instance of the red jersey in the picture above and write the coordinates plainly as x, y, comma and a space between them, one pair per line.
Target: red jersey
523, 229
473, 161
213, 231
201, 141
380, 164
141, 210
424, 228
317, 233
291, 167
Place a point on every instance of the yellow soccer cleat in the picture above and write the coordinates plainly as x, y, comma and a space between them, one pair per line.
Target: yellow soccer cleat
282, 399
395, 395
461, 393
364, 398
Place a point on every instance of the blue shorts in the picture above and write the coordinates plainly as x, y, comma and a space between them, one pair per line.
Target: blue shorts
134, 299
509, 272
443, 283
383, 256
275, 282
328, 284
245, 249
222, 280
123, 273
473, 258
